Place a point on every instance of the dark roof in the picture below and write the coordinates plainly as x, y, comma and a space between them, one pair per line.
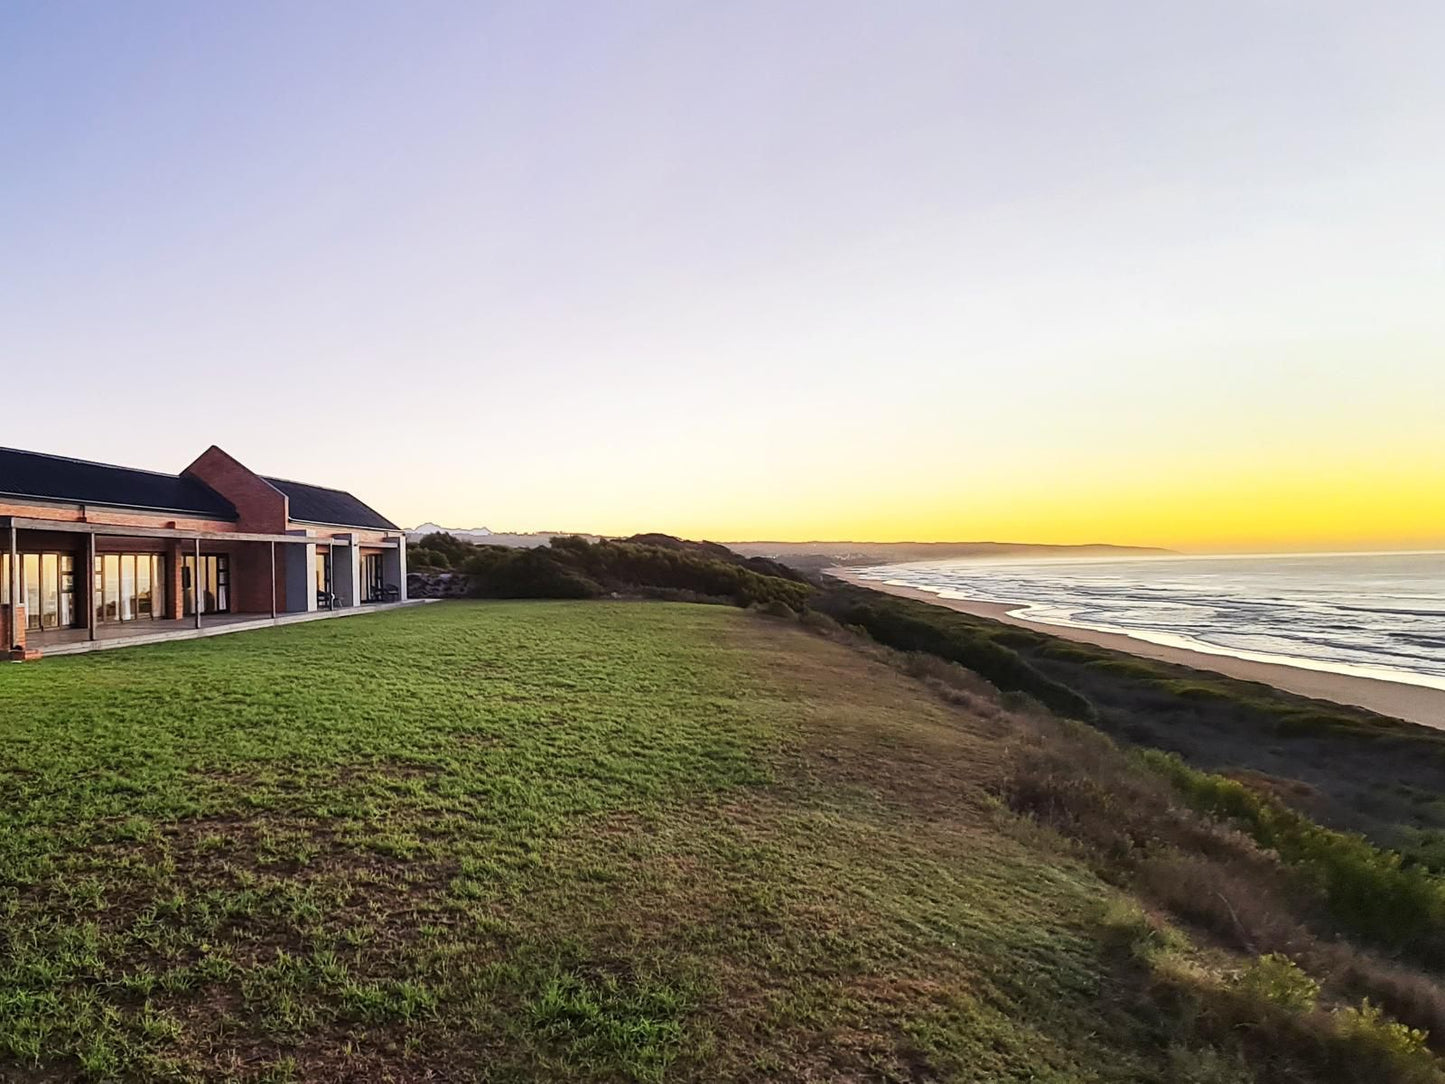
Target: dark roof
75, 481
333, 507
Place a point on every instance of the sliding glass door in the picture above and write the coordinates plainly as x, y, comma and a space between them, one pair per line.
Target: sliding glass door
373, 578
129, 587
325, 597
47, 588
210, 582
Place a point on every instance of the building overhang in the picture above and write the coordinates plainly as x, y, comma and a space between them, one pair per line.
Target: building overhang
26, 523
82, 507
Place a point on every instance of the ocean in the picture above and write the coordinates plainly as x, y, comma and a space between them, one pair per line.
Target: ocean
1379, 615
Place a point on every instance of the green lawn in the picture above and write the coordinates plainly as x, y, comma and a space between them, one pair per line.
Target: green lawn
518, 840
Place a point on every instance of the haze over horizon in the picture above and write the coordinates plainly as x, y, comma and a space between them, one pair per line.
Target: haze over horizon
1139, 274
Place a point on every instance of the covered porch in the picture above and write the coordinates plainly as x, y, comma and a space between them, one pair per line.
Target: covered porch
77, 641
65, 583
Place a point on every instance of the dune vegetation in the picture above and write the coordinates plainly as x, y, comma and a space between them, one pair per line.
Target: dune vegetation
644, 841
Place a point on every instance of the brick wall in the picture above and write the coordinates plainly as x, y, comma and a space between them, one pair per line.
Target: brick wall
174, 554
6, 632
262, 508
251, 577
82, 514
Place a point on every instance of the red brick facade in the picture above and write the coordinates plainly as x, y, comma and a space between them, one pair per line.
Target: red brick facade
11, 637
262, 508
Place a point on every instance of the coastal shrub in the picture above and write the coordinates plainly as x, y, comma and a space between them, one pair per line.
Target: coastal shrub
684, 566
1276, 978
572, 567
1135, 829
1263, 1021
499, 572
439, 551
1370, 892
1271, 1010
910, 626
819, 622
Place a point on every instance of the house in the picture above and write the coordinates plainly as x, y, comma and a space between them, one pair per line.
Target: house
95, 554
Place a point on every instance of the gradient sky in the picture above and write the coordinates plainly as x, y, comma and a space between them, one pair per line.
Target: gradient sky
1152, 272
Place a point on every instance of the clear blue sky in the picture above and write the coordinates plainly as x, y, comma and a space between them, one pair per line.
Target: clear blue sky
1061, 271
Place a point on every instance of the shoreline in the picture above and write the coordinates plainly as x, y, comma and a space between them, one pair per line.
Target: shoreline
1418, 704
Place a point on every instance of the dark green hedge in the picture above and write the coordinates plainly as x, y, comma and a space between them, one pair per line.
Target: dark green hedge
575, 568
914, 626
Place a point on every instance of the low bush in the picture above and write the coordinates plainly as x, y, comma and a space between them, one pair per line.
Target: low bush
439, 551
573, 567
500, 572
1135, 827
1263, 1021
912, 626
1370, 893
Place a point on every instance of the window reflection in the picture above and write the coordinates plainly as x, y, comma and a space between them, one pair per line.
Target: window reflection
211, 582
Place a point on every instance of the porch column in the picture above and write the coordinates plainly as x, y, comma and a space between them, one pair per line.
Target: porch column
273, 581
89, 593
196, 586
16, 634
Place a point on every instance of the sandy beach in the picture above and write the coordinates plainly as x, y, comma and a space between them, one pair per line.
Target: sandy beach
1413, 703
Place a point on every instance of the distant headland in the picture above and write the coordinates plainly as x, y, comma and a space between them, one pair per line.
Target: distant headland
818, 554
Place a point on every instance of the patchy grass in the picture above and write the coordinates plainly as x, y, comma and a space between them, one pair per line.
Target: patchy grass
599, 841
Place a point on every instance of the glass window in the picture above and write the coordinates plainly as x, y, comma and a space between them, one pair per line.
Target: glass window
30, 587
111, 568
373, 577
323, 577
209, 582
67, 590
127, 587
49, 590
223, 583
143, 566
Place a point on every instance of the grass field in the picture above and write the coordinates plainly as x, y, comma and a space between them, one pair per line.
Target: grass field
510, 841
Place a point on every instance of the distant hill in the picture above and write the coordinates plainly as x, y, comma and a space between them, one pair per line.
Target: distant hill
810, 555
469, 533
482, 536
646, 565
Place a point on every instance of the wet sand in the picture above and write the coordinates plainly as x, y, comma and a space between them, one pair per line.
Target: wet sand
1413, 703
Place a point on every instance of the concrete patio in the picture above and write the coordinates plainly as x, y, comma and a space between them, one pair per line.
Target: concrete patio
134, 634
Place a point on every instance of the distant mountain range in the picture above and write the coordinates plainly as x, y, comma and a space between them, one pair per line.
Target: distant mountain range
471, 534
483, 536
818, 554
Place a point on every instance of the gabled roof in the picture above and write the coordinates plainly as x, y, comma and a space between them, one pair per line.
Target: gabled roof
37, 476
330, 507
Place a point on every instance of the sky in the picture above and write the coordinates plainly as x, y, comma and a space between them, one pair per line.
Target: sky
1159, 273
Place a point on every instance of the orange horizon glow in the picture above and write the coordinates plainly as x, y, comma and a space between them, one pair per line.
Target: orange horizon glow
1318, 495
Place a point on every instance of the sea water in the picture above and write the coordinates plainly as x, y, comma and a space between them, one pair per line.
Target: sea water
1376, 615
